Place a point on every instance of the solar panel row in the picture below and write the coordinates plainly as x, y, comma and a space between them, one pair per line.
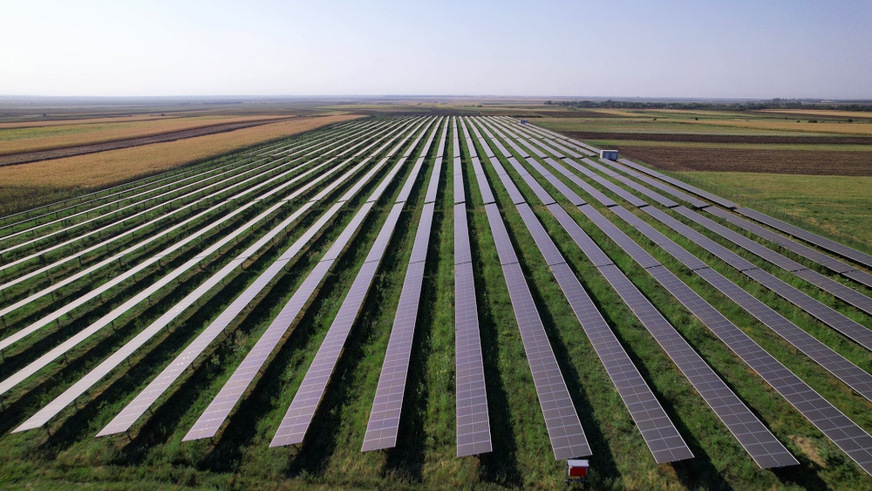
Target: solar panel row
627, 244
855, 377
852, 439
472, 418
824, 260
851, 329
744, 242
473, 425
147, 397
657, 197
514, 193
297, 420
852, 375
822, 242
90, 202
170, 231
838, 290
615, 189
657, 429
825, 314
564, 428
757, 440
384, 420
540, 192
487, 195
709, 245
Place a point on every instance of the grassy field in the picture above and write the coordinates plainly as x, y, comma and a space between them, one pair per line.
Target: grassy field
810, 200
28, 185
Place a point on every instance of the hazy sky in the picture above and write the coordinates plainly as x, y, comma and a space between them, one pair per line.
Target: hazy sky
651, 48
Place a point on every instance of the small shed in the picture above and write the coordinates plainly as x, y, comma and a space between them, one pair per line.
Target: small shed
576, 470
523, 121
609, 154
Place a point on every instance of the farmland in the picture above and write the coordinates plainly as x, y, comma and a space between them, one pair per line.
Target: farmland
179, 316
34, 183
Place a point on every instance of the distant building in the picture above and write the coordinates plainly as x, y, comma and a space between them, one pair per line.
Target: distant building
609, 154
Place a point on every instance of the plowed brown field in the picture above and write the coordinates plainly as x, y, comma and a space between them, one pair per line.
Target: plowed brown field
747, 160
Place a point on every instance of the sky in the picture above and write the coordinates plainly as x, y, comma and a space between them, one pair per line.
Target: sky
610, 48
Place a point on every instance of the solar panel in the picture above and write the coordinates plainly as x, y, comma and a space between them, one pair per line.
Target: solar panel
147, 397
433, 187
342, 323
709, 245
384, 419
564, 428
620, 238
587, 188
742, 241
383, 426
473, 426
594, 254
293, 428
534, 185
861, 277
168, 231
806, 252
852, 439
501, 236
822, 242
855, 377
658, 431
664, 243
462, 252
540, 192
757, 440
661, 436
851, 329
540, 236
838, 290
101, 198
820, 353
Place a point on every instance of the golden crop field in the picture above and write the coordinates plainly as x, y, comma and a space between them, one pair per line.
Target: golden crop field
820, 112
33, 138
105, 168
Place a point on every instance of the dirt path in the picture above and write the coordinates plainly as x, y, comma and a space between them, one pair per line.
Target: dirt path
26, 157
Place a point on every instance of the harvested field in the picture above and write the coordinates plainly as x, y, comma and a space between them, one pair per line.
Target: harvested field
37, 138
42, 182
747, 160
21, 158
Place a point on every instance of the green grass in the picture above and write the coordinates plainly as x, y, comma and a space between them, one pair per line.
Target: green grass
838, 206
